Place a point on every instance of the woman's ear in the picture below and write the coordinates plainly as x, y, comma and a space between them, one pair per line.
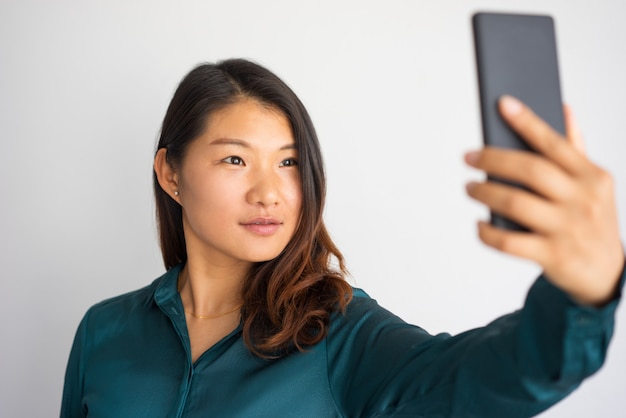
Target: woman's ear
166, 175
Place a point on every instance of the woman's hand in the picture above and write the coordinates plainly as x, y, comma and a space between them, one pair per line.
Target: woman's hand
572, 214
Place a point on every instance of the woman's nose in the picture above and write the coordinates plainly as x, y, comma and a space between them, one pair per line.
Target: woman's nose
264, 189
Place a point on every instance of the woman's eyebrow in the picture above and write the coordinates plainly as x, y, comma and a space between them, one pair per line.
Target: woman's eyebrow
244, 144
230, 141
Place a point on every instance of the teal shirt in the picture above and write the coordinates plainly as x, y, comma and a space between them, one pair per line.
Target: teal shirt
131, 358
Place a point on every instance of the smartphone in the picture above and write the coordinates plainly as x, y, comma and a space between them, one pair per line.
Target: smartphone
516, 54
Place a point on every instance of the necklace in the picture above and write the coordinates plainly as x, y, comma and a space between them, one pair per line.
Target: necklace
180, 285
213, 316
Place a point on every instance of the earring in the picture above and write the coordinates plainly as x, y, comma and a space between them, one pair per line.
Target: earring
175, 192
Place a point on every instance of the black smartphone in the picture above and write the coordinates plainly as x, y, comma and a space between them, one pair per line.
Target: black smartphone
516, 54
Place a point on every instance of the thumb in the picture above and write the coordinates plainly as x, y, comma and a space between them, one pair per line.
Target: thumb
572, 130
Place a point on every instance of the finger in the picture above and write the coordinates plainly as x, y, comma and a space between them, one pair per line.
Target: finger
521, 244
573, 131
540, 136
526, 168
518, 205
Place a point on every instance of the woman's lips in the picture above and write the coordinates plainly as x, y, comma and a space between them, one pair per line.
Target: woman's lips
262, 226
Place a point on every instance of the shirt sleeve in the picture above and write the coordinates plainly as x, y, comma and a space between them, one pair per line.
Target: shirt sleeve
517, 366
72, 402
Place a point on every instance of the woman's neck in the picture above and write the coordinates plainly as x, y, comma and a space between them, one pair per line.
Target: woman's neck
210, 290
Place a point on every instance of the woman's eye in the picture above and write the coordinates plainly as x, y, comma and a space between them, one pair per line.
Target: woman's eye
233, 159
289, 162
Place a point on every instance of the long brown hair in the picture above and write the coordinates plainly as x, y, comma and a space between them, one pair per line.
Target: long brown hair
288, 300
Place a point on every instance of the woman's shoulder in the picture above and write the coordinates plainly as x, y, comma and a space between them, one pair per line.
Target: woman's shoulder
361, 300
129, 302
361, 311
360, 293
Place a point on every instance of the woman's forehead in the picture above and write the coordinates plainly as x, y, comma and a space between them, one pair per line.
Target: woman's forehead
249, 124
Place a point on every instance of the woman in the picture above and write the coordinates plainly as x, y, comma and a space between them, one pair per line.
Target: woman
252, 320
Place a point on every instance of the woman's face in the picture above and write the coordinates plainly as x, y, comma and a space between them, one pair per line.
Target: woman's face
239, 186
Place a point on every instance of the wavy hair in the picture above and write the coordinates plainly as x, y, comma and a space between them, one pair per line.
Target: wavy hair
287, 301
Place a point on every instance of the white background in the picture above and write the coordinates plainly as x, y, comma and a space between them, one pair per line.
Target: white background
391, 87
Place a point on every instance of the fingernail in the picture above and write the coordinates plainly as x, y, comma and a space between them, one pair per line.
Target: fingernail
470, 186
471, 157
510, 105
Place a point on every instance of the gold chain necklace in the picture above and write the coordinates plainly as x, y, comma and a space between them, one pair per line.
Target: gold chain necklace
213, 316
179, 286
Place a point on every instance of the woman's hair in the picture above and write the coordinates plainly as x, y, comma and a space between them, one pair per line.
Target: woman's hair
287, 300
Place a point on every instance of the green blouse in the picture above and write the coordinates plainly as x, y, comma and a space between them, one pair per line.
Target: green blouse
131, 358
